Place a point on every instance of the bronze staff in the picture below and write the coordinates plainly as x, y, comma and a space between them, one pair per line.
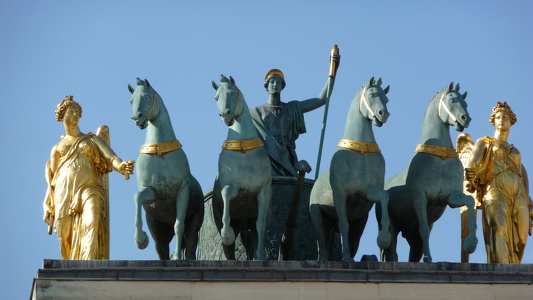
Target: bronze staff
333, 65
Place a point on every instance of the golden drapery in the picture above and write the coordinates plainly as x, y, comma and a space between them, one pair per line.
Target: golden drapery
504, 200
80, 201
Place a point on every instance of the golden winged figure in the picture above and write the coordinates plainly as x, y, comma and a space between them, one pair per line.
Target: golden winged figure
77, 198
495, 176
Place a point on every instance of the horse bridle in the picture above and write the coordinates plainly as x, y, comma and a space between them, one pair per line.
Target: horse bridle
153, 104
363, 100
238, 102
442, 103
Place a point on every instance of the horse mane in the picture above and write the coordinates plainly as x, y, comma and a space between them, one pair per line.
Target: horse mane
434, 98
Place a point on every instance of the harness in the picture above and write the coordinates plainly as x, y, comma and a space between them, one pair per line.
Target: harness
242, 145
442, 152
360, 147
363, 100
443, 104
159, 148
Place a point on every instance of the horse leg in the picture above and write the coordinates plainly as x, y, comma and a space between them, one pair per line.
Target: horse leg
416, 248
420, 205
191, 234
229, 251
339, 199
182, 203
162, 233
318, 220
145, 194
228, 193
263, 211
356, 231
459, 199
379, 196
389, 253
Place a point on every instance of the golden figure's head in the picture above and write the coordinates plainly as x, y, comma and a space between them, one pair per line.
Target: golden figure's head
503, 106
62, 107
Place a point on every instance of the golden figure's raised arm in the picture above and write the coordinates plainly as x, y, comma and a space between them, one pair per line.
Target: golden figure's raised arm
123, 167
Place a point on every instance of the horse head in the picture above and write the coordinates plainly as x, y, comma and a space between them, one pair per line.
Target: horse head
452, 107
144, 102
229, 100
373, 102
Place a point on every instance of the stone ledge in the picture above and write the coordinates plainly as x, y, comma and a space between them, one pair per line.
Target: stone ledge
304, 271
267, 280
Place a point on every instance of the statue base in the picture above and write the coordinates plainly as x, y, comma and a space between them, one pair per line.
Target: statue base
122, 279
303, 245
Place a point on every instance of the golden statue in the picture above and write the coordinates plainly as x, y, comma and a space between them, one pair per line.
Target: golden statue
77, 199
495, 174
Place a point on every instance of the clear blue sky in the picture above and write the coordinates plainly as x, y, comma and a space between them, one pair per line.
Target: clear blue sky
92, 50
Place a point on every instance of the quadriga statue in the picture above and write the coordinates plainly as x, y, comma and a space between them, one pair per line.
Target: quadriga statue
345, 193
495, 174
278, 125
170, 195
77, 199
432, 180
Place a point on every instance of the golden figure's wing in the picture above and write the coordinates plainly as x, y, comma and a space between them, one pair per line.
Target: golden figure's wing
103, 132
465, 146
530, 203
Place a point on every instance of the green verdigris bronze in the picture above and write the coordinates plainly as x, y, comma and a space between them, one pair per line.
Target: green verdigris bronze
354, 182
432, 180
242, 190
279, 124
170, 195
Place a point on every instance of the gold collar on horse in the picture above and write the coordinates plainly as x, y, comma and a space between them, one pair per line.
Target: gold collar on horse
442, 152
242, 145
161, 148
359, 146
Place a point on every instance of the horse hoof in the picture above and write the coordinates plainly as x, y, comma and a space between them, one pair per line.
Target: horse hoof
470, 244
384, 239
347, 259
228, 240
141, 240
260, 257
175, 256
321, 258
228, 236
427, 259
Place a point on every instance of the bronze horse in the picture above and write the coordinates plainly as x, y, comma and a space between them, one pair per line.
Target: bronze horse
345, 193
433, 179
242, 190
170, 195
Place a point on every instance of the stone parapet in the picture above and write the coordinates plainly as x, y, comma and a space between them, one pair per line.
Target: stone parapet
119, 279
